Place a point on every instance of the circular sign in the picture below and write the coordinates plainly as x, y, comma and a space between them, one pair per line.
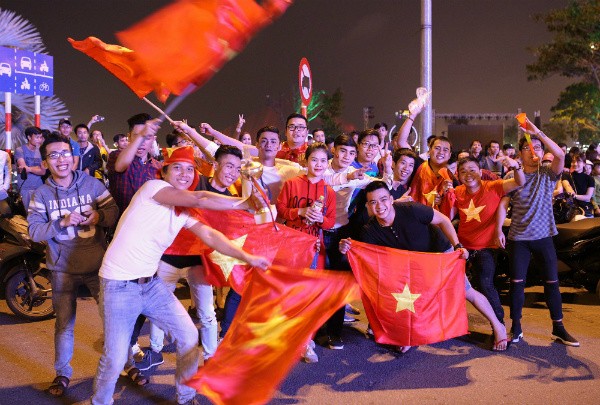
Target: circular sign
305, 81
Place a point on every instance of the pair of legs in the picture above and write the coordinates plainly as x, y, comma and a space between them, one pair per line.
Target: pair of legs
64, 299
202, 294
484, 269
120, 304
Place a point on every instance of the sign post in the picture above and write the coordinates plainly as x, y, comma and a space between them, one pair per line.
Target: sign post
305, 85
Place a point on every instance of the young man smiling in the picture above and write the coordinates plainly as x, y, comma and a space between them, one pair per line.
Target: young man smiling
69, 212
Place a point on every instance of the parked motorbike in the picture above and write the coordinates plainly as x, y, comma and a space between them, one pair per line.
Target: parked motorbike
25, 280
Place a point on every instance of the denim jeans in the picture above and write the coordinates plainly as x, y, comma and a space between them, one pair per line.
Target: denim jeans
232, 302
203, 297
120, 304
64, 299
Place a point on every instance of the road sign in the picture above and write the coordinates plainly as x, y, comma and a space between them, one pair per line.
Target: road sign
305, 81
25, 72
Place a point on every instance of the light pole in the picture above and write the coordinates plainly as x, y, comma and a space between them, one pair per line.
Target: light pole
427, 113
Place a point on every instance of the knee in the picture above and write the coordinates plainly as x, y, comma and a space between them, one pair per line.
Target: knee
187, 338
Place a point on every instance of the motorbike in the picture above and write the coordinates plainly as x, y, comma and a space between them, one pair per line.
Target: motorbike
25, 280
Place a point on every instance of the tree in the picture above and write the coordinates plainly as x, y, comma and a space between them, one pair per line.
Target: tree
575, 48
333, 106
579, 104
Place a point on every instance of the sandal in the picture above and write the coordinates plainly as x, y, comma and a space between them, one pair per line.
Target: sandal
137, 377
500, 345
59, 386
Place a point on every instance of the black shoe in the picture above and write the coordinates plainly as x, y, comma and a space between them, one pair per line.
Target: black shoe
151, 359
335, 342
560, 333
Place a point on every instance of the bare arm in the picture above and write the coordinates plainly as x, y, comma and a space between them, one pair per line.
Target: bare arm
128, 154
500, 218
221, 137
219, 242
443, 222
519, 176
558, 163
199, 199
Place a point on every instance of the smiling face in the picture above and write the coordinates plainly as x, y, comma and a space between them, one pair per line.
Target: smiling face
146, 145
295, 131
65, 129
317, 163
403, 168
246, 139
577, 165
367, 148
476, 147
180, 175
469, 174
380, 203
227, 170
440, 152
57, 161
343, 156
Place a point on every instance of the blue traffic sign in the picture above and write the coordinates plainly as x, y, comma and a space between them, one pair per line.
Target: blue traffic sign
25, 72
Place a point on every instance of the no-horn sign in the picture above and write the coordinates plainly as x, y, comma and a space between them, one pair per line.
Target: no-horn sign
305, 81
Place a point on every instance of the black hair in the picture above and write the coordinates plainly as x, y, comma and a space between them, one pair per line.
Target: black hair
509, 146
118, 137
376, 185
442, 138
268, 128
365, 133
172, 137
344, 140
523, 141
296, 115
467, 160
81, 126
317, 130
404, 152
228, 150
32, 131
430, 139
313, 147
379, 125
54, 137
138, 119
329, 140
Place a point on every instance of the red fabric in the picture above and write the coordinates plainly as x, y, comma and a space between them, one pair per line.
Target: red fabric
440, 311
293, 155
190, 40
280, 310
425, 181
124, 64
478, 232
285, 247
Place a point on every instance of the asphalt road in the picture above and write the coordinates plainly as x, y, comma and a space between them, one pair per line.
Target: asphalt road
463, 370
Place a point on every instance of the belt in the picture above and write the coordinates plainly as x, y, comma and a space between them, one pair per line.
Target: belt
143, 280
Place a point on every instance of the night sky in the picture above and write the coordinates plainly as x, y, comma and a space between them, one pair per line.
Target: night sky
369, 48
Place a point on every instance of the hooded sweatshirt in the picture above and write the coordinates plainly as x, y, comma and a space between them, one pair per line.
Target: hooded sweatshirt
74, 249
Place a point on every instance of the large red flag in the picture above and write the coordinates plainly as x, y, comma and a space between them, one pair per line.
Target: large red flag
411, 298
124, 64
280, 310
426, 185
190, 40
285, 246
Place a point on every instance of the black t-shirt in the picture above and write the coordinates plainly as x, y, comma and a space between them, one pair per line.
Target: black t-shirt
580, 183
187, 261
411, 230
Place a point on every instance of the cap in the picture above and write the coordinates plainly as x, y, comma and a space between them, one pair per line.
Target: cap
183, 154
64, 121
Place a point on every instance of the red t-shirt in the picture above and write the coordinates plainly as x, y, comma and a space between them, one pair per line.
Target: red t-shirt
294, 155
477, 213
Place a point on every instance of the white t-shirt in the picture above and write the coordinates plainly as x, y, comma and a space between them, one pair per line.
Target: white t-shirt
274, 176
145, 231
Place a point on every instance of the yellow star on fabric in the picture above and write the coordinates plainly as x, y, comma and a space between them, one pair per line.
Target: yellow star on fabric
430, 197
226, 263
472, 212
273, 332
406, 300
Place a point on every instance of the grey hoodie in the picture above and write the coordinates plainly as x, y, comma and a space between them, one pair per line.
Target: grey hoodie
74, 249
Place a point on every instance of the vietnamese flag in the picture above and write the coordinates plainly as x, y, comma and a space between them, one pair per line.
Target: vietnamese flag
124, 64
280, 310
426, 185
411, 298
190, 40
286, 247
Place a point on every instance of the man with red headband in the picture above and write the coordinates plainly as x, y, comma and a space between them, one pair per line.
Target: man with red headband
128, 283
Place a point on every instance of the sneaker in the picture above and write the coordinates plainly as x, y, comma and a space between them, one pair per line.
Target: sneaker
309, 355
137, 353
349, 319
351, 309
560, 333
151, 359
335, 342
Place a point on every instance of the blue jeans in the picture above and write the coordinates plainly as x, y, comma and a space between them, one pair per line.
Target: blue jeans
64, 299
232, 302
120, 304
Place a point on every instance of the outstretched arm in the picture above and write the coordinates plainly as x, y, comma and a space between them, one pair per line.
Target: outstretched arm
224, 139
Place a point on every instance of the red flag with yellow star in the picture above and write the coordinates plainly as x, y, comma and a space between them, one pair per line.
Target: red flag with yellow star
411, 298
426, 185
280, 310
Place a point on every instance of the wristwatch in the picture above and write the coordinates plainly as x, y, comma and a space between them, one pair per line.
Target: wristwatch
458, 246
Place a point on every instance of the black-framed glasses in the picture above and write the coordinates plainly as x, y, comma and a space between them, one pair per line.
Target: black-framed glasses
296, 127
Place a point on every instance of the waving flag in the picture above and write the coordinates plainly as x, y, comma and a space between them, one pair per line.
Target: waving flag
183, 44
426, 185
280, 310
411, 298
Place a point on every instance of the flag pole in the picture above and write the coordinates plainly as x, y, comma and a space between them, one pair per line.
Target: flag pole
177, 100
158, 109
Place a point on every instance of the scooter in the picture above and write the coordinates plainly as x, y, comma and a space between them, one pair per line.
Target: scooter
24, 279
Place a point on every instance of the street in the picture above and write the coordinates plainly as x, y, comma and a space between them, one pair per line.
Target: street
537, 370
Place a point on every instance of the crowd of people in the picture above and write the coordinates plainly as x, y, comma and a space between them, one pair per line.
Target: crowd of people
363, 186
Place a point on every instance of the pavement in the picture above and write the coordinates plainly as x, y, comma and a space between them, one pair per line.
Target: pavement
536, 370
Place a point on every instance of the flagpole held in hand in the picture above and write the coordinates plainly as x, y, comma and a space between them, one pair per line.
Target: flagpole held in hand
157, 108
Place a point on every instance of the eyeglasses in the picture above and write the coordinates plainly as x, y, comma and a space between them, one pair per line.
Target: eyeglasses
369, 146
182, 142
536, 148
296, 127
56, 155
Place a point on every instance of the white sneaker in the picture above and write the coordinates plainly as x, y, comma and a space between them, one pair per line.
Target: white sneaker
309, 355
137, 353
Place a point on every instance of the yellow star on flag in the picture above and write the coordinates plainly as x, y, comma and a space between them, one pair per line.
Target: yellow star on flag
406, 300
430, 197
225, 262
472, 212
272, 332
